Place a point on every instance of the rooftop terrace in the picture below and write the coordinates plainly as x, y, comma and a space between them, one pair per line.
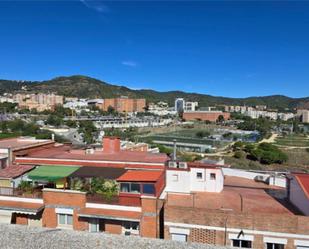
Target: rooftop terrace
238, 195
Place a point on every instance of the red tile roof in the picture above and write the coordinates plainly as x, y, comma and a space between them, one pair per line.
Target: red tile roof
303, 180
64, 152
14, 171
140, 176
18, 143
21, 206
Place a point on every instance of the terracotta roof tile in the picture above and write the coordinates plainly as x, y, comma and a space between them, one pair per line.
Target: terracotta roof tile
14, 171
141, 176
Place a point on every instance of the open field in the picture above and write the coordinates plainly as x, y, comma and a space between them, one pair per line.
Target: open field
298, 160
292, 141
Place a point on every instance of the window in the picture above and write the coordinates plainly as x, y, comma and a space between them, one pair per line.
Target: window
241, 243
135, 188
93, 226
179, 237
130, 187
175, 178
274, 246
130, 227
65, 219
212, 176
124, 187
148, 189
199, 175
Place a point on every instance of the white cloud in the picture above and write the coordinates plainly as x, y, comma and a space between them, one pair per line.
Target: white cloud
96, 5
129, 63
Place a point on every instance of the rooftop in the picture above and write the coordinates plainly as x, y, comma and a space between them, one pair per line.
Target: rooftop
23, 142
141, 176
14, 171
65, 152
238, 193
25, 237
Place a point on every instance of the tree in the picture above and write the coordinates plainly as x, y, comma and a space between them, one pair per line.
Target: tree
202, 134
110, 110
54, 120
220, 119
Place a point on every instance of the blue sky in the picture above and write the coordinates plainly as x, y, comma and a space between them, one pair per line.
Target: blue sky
225, 48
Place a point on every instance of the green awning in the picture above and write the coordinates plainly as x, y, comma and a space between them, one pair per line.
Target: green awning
51, 173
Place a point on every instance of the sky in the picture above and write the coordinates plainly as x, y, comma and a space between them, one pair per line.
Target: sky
222, 48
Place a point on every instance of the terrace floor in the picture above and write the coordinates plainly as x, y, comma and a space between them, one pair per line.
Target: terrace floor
239, 194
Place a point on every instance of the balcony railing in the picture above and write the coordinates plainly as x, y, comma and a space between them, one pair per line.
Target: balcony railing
116, 200
34, 193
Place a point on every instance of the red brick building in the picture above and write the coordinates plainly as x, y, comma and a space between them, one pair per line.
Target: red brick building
211, 116
156, 198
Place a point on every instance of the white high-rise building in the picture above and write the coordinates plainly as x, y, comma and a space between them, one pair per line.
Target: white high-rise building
180, 105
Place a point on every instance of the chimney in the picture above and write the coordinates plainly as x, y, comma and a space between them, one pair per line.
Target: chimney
111, 144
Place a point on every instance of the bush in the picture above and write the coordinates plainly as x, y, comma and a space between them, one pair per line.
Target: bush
239, 154
267, 154
202, 134
25, 187
107, 188
238, 145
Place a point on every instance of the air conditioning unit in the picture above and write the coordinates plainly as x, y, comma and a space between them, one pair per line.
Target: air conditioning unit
182, 165
259, 178
172, 164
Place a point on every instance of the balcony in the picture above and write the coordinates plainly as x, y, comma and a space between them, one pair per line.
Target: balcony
33, 193
124, 200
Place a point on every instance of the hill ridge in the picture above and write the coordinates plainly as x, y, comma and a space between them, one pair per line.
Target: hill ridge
88, 87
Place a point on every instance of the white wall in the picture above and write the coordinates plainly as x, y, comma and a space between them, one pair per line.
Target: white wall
278, 181
298, 197
182, 185
188, 181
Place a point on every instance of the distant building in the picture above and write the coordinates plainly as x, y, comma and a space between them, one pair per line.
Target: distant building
304, 115
180, 105
125, 104
205, 115
191, 106
39, 101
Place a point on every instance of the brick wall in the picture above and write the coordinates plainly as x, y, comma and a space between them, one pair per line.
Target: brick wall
149, 219
22, 219
210, 116
63, 199
113, 226
281, 223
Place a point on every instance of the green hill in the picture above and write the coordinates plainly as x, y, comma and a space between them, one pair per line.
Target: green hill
86, 87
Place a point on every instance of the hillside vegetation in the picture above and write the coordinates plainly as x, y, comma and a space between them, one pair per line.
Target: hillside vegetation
86, 87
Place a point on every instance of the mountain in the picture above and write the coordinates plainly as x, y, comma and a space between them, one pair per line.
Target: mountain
86, 87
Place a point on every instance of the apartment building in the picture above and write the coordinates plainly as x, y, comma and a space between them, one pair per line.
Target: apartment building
39, 101
304, 115
57, 202
235, 212
125, 104
156, 197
